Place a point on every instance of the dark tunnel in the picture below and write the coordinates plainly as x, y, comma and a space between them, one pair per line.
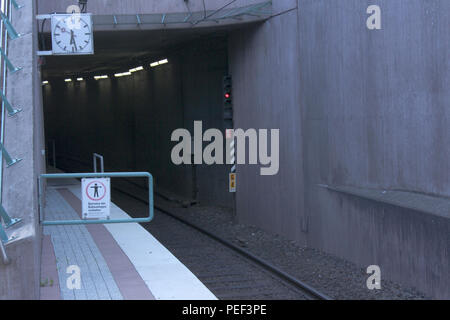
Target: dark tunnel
129, 119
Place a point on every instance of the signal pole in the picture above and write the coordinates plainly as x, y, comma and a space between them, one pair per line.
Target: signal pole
229, 125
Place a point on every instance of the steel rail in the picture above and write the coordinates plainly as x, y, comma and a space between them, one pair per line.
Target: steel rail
261, 262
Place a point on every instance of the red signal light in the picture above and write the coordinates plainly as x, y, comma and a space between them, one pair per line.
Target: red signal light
227, 95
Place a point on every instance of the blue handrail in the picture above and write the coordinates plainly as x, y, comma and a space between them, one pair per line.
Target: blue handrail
97, 175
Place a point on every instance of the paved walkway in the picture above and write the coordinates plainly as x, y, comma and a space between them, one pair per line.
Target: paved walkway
116, 261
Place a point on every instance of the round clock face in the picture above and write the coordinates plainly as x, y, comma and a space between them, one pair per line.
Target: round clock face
72, 34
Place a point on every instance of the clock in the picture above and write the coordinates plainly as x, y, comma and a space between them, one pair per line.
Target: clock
72, 34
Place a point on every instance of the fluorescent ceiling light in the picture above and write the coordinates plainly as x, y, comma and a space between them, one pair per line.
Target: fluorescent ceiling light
45, 82
158, 63
100, 77
80, 79
68, 80
137, 69
118, 75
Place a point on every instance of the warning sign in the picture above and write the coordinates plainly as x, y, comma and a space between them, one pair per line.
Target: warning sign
96, 198
232, 182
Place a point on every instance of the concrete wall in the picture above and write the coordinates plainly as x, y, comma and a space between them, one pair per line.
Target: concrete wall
23, 139
369, 94
130, 120
264, 65
355, 107
375, 116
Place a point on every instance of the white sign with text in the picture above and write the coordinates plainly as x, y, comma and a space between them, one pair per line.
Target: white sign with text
96, 198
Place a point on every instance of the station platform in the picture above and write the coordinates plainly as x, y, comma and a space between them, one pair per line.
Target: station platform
116, 261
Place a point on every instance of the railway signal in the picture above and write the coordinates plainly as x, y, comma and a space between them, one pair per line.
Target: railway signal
228, 101
227, 82
228, 117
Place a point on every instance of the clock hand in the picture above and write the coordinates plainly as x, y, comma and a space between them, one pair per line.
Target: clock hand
72, 40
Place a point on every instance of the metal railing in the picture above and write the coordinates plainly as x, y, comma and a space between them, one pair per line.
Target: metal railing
96, 175
6, 31
102, 163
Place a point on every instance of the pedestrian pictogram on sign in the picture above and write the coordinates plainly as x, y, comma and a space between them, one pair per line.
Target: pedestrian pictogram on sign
232, 182
96, 198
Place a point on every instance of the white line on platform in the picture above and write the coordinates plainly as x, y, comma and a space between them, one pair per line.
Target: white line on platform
166, 277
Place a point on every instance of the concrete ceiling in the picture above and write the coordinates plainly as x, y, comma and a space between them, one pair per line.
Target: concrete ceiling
116, 48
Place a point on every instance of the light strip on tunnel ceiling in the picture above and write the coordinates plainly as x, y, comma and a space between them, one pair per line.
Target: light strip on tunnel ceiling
158, 63
44, 82
100, 77
123, 74
80, 79
68, 80
137, 69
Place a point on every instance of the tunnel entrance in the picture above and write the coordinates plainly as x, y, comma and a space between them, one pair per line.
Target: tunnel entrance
125, 101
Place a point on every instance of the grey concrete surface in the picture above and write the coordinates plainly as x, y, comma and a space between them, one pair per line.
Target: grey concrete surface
374, 107
264, 64
23, 139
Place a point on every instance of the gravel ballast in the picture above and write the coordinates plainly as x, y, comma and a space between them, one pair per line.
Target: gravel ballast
335, 277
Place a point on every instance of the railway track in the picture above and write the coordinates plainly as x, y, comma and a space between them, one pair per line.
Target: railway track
230, 272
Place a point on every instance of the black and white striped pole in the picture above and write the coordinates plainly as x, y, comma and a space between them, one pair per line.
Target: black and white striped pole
232, 157
228, 118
